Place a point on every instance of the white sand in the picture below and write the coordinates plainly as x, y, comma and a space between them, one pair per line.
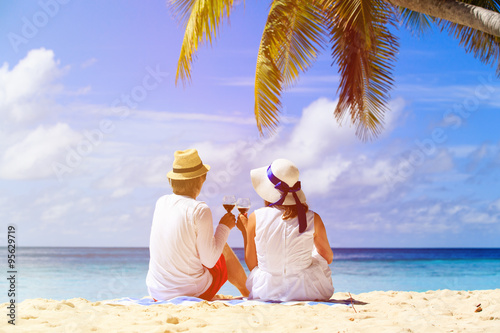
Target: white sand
432, 311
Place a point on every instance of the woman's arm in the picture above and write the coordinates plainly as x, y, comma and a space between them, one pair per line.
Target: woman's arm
250, 249
241, 224
321, 239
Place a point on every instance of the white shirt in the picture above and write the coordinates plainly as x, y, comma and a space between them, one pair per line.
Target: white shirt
181, 247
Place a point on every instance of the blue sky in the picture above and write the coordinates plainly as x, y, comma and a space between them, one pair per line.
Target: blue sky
90, 118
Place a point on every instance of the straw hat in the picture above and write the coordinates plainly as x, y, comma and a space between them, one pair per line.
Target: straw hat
280, 170
187, 165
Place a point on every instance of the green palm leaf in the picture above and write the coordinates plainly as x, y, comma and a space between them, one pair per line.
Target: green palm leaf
483, 46
416, 22
365, 52
493, 5
362, 46
204, 18
290, 44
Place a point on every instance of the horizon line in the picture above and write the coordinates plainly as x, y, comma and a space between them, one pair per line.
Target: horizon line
240, 247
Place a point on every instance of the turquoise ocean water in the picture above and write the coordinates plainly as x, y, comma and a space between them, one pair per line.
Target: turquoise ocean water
107, 273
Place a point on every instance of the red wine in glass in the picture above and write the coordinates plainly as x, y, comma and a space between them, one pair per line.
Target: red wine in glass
228, 207
243, 210
243, 205
229, 201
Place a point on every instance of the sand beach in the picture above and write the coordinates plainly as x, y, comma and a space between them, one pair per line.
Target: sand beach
377, 311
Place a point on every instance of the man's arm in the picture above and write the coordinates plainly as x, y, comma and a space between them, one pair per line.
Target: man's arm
210, 245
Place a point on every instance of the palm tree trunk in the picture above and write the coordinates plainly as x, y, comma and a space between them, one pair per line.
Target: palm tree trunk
457, 12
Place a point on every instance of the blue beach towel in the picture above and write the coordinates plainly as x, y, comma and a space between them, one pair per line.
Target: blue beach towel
187, 300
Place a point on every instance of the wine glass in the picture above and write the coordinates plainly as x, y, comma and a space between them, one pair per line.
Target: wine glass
243, 205
229, 201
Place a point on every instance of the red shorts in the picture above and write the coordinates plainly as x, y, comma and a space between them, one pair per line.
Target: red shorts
219, 275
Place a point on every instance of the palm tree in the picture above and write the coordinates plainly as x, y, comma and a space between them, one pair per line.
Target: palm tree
356, 31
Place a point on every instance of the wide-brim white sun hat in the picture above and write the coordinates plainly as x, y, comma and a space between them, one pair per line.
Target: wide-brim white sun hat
187, 165
285, 171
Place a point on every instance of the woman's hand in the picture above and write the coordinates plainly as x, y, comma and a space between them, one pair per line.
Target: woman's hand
242, 222
228, 220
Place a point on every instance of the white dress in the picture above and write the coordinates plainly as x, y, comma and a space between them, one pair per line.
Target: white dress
289, 267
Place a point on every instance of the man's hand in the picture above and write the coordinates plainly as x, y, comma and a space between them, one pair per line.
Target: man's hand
228, 220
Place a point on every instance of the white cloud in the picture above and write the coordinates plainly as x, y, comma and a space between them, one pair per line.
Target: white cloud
370, 172
319, 180
480, 152
394, 115
435, 209
32, 157
165, 116
24, 89
121, 192
495, 205
461, 151
471, 96
475, 217
88, 62
322, 149
80, 91
424, 225
129, 173
455, 209
56, 212
441, 162
316, 134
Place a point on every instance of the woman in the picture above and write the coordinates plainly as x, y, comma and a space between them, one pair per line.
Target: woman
286, 246
186, 258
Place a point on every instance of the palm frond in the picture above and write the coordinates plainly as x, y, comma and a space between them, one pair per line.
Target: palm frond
493, 5
204, 18
483, 46
290, 43
181, 9
365, 51
417, 23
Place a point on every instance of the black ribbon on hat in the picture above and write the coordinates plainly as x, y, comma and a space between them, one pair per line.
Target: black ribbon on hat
285, 189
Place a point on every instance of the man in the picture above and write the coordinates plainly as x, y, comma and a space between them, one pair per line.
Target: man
186, 257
